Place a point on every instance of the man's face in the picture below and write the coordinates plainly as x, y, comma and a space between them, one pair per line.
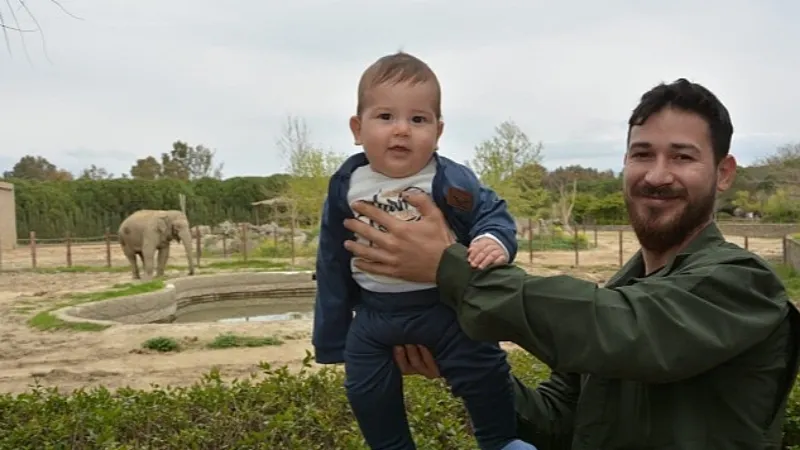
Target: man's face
671, 178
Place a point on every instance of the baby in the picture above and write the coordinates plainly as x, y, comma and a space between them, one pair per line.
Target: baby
398, 124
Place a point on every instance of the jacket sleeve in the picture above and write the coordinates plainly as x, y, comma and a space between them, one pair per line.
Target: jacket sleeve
490, 216
661, 329
336, 289
546, 414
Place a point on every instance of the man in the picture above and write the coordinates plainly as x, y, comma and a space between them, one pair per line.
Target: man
690, 346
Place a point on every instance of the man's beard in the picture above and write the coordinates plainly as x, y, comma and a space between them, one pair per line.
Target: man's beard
658, 236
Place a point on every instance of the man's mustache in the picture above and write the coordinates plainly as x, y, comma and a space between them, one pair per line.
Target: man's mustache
648, 190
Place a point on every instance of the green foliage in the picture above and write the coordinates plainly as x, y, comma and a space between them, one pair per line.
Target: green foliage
556, 240
230, 340
282, 249
276, 410
162, 344
86, 207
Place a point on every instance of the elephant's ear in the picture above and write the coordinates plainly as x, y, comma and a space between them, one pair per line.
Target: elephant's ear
162, 225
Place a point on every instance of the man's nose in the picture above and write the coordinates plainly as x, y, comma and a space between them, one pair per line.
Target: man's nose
660, 173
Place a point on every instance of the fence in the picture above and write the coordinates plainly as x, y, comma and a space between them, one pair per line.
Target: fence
792, 252
582, 247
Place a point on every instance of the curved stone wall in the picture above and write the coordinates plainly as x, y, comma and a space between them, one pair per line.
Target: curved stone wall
161, 306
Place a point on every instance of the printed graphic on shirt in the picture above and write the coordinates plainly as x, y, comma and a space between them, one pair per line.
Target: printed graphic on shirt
392, 202
386, 193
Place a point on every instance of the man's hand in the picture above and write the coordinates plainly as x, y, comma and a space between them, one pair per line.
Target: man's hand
416, 360
407, 250
486, 252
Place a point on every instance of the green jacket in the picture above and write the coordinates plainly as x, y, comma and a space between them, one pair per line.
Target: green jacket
700, 355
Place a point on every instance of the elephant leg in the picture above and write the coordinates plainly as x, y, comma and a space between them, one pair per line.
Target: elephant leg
163, 257
131, 255
148, 257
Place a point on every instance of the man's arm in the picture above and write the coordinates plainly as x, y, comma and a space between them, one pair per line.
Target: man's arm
336, 288
546, 414
658, 330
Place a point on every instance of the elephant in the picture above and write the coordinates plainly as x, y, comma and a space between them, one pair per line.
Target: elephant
147, 230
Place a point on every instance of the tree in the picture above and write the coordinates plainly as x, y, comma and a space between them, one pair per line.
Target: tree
37, 168
146, 169
497, 159
190, 163
183, 162
12, 8
310, 168
509, 163
96, 173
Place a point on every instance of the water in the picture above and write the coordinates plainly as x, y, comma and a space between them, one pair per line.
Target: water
248, 310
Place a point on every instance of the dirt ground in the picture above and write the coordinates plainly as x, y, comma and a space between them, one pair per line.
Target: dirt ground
114, 358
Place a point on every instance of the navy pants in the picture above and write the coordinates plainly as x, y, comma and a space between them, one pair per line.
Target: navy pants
477, 372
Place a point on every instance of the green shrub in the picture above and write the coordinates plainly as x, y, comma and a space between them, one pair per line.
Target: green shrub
557, 239
282, 249
162, 344
279, 410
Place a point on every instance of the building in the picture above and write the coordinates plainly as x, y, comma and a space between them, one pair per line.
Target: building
8, 217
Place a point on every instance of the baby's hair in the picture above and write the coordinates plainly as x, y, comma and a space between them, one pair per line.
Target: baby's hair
398, 67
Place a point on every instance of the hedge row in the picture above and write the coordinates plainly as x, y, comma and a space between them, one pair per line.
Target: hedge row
281, 410
85, 208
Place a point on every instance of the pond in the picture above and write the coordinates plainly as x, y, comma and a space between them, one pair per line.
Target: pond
248, 310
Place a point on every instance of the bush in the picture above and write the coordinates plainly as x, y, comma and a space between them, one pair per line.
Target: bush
556, 240
282, 249
280, 410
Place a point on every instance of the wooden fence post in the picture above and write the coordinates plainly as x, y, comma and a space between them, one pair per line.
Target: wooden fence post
198, 244
576, 245
244, 241
746, 243
1, 253
530, 240
224, 246
595, 236
620, 248
69, 249
108, 247
785, 249
33, 248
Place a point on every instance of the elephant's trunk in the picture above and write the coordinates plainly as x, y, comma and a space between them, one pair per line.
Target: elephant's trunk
186, 239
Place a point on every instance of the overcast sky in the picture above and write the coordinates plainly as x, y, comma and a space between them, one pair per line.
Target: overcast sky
133, 76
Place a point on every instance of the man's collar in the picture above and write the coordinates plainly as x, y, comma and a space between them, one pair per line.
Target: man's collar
634, 268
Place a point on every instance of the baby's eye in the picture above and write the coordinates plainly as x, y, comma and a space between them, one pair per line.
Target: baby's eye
419, 119
385, 116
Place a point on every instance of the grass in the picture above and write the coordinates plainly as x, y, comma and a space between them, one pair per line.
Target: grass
230, 340
46, 321
205, 264
791, 278
165, 344
162, 344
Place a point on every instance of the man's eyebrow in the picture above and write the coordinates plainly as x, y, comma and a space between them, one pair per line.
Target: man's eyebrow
684, 146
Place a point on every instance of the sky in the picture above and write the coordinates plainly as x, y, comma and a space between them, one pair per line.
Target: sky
125, 79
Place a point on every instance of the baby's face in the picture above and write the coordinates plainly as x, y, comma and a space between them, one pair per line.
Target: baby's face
398, 127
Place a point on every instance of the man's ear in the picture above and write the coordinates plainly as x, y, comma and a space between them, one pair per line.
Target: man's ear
355, 128
726, 173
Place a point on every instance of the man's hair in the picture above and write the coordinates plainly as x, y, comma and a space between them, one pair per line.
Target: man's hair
692, 97
399, 67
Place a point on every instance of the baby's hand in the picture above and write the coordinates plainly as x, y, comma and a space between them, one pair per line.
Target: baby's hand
485, 252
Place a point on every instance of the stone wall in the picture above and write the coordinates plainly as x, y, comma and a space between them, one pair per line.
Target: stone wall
8, 217
161, 306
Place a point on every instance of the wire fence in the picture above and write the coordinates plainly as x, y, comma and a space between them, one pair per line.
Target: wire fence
576, 247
